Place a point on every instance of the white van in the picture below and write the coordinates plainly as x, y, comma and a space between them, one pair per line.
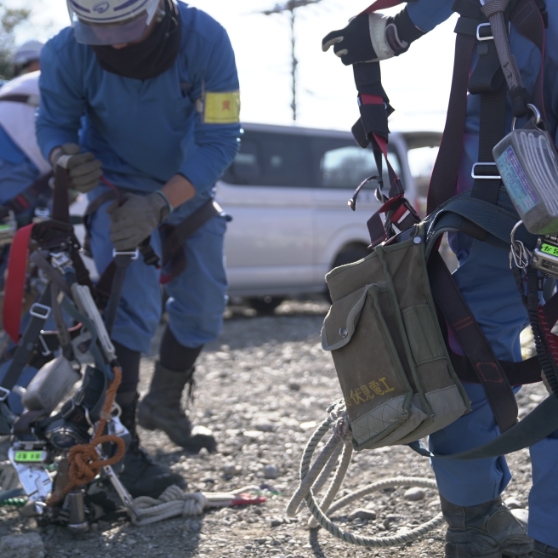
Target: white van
287, 192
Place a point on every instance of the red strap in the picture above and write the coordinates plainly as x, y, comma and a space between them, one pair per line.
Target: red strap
15, 281
381, 5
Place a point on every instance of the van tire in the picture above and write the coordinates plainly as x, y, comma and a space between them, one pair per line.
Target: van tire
265, 305
350, 255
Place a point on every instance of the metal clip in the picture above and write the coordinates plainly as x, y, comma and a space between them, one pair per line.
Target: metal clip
40, 311
46, 351
134, 254
484, 26
519, 255
60, 261
480, 176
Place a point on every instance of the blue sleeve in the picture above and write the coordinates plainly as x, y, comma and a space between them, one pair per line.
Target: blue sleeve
215, 144
426, 14
62, 104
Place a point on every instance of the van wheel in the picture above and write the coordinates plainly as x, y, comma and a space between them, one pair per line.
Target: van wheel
265, 304
350, 255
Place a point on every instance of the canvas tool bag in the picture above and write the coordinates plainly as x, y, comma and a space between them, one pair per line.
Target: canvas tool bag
388, 349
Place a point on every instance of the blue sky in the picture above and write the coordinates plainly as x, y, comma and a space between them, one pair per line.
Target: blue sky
417, 82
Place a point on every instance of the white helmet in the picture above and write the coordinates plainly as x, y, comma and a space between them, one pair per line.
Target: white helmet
110, 22
28, 52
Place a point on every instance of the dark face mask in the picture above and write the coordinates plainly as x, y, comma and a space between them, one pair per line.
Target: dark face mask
149, 58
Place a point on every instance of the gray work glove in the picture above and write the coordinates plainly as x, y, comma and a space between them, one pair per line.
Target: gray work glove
134, 220
372, 37
84, 169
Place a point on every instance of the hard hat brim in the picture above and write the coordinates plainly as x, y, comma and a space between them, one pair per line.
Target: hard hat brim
110, 34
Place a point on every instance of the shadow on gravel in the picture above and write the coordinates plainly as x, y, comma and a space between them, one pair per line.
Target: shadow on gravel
315, 543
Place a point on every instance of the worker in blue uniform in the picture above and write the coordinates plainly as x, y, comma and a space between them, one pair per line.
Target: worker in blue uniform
154, 84
480, 525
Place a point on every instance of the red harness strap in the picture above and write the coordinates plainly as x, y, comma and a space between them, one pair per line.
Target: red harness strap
15, 281
381, 5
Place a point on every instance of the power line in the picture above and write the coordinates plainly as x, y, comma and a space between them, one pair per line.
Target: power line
291, 6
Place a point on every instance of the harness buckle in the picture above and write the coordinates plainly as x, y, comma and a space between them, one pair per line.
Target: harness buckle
487, 34
480, 172
134, 254
4, 394
60, 261
40, 311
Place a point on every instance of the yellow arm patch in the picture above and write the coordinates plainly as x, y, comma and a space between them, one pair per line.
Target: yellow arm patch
222, 108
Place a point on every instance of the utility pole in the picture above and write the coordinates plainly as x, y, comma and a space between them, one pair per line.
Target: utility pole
291, 6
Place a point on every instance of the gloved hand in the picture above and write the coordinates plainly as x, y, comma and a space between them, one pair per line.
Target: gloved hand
136, 219
84, 169
372, 37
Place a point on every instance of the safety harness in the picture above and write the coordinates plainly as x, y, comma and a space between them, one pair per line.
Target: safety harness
72, 436
485, 213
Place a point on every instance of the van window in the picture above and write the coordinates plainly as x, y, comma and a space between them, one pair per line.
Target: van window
421, 162
342, 164
270, 159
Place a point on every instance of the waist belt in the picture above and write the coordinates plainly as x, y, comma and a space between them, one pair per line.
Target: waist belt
174, 236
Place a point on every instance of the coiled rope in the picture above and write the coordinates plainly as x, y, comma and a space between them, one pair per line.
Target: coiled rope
312, 478
174, 501
84, 460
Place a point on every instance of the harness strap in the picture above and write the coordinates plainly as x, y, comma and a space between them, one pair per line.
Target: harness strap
32, 100
39, 313
446, 168
473, 342
517, 373
175, 235
526, 17
15, 282
540, 423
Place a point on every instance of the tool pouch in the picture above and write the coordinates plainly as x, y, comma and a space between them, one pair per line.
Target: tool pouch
388, 349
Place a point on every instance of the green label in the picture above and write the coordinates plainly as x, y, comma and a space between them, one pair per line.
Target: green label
550, 249
29, 456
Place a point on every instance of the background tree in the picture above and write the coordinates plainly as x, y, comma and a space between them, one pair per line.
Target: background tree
10, 18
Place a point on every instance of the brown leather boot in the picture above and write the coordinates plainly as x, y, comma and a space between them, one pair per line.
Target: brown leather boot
489, 530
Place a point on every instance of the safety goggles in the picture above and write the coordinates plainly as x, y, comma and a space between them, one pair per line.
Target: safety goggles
112, 33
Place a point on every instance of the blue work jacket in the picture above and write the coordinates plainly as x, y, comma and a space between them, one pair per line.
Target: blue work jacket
144, 132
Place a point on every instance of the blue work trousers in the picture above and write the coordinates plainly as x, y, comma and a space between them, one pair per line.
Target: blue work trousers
197, 297
485, 280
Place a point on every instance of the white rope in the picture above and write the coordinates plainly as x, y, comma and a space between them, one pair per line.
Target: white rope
175, 502
338, 422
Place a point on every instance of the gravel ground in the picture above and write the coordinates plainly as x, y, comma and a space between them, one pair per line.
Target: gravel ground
263, 387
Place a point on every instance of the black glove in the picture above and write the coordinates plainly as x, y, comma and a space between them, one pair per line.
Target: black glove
372, 37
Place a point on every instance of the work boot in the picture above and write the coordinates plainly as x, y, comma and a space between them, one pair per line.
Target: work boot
161, 409
487, 530
141, 475
542, 550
